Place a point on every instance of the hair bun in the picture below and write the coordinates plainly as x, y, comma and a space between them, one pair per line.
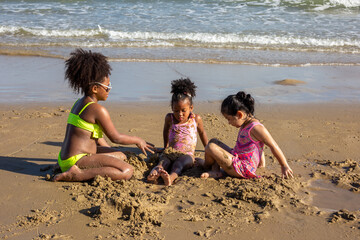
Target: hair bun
241, 95
247, 100
183, 86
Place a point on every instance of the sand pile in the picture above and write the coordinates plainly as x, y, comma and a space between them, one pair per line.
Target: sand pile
126, 205
172, 154
123, 204
39, 216
43, 236
289, 82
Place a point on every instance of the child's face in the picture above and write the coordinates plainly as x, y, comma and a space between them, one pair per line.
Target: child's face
103, 91
182, 110
236, 120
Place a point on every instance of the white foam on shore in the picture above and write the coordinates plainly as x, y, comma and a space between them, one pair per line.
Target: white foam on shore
100, 37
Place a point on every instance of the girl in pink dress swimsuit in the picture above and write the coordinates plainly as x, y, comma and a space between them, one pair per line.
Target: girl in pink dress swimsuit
243, 160
180, 132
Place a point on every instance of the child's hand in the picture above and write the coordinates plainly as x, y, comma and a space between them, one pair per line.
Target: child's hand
145, 146
286, 172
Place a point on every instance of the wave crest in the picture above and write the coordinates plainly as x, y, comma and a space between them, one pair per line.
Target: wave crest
109, 38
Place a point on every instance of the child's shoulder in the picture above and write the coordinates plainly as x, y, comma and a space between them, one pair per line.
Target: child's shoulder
168, 117
197, 117
255, 123
256, 126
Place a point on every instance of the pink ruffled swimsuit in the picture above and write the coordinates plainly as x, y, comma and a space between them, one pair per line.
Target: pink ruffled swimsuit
247, 153
183, 137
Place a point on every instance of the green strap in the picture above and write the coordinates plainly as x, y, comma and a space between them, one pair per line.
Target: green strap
85, 107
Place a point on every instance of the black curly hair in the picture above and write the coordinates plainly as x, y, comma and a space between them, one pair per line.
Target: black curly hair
182, 89
238, 102
84, 68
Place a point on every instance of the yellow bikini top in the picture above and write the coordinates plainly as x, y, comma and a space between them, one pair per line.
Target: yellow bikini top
75, 120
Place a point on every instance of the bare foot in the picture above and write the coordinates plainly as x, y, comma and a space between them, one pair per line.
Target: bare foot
154, 174
71, 175
212, 174
166, 177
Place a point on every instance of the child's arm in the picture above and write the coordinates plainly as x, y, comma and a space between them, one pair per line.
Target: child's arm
102, 142
102, 117
166, 130
201, 130
260, 133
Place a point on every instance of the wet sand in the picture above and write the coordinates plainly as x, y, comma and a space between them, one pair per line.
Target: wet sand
36, 79
320, 141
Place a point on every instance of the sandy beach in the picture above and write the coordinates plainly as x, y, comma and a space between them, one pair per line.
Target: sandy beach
320, 142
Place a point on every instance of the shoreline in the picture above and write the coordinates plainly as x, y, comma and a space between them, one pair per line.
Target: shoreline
44, 54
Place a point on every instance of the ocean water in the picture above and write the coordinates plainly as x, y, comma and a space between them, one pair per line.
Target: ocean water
256, 32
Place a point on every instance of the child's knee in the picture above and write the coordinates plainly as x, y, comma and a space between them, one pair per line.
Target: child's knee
121, 156
211, 147
128, 172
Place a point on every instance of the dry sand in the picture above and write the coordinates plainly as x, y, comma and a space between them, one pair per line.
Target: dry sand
321, 142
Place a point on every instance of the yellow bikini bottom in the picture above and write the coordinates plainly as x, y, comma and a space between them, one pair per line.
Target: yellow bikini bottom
71, 161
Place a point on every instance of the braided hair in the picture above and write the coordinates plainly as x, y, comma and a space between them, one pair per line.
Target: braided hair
182, 89
238, 102
84, 68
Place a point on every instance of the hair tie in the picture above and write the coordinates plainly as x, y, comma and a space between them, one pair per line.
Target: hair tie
187, 94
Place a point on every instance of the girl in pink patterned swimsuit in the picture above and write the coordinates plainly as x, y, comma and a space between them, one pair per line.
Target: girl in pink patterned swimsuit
247, 155
180, 133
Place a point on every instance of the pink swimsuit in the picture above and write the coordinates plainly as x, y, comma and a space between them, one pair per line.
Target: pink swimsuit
183, 137
247, 153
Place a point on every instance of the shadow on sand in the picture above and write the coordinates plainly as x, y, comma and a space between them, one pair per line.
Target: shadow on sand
31, 166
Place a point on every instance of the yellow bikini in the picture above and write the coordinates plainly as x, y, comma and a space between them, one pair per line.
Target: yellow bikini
75, 120
80, 123
68, 163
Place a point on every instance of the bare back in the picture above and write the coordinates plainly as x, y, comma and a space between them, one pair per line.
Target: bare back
78, 140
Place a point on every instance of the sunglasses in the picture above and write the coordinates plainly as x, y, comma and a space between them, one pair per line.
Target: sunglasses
107, 88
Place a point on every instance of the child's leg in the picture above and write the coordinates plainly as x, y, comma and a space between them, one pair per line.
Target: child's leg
215, 172
182, 163
164, 163
109, 151
218, 157
262, 161
209, 161
102, 164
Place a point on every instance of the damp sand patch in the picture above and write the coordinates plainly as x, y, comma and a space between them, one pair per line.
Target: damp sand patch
344, 174
330, 198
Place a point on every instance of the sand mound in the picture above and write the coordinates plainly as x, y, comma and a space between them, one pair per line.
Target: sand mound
53, 236
123, 204
172, 154
289, 82
39, 216
343, 215
121, 200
